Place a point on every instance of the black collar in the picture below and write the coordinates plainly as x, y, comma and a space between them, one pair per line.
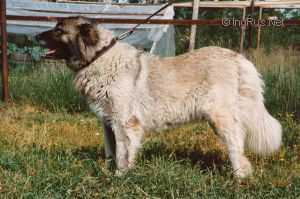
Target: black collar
100, 53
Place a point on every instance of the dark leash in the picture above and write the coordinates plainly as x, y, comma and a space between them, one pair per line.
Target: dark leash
131, 31
123, 36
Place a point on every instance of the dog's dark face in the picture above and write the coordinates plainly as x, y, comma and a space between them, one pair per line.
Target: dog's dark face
74, 39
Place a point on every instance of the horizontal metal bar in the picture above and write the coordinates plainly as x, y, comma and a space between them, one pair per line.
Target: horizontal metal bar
123, 21
212, 22
90, 13
215, 4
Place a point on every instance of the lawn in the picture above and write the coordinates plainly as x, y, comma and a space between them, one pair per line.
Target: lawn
51, 146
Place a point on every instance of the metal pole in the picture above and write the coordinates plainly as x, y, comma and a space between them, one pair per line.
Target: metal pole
250, 35
5, 94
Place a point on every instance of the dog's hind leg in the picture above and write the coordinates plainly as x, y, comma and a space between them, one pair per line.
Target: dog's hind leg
228, 127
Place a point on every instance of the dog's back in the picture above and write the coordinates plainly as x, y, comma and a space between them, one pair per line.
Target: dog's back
188, 86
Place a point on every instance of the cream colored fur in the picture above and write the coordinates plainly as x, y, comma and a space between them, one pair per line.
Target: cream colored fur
137, 92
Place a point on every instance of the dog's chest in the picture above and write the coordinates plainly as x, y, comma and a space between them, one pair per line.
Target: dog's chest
95, 91
102, 111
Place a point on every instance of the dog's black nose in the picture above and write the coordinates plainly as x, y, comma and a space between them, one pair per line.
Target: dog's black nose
39, 39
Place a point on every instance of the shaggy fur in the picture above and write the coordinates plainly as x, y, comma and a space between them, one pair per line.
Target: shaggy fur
133, 92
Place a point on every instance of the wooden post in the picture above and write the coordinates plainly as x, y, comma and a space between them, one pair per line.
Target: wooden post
250, 35
243, 29
5, 94
259, 29
194, 27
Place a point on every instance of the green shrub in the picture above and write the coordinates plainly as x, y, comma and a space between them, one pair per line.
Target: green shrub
281, 72
50, 88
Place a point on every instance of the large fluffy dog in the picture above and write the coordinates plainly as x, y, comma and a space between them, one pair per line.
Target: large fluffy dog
132, 92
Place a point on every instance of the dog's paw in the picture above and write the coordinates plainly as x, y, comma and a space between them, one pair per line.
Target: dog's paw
120, 173
245, 169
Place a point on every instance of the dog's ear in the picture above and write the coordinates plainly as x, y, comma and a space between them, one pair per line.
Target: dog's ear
89, 34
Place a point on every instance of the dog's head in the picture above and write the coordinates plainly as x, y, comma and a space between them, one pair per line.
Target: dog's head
75, 39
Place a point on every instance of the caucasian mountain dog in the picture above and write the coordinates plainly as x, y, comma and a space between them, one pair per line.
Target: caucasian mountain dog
132, 91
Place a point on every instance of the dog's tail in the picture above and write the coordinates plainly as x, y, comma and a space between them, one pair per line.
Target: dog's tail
263, 132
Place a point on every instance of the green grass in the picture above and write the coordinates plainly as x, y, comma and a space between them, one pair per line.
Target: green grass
281, 72
37, 173
60, 155
47, 86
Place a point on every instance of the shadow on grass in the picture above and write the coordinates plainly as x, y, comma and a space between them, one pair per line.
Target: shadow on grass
205, 160
210, 160
93, 153
213, 160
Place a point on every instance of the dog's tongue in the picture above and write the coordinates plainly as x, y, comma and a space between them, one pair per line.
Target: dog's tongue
50, 52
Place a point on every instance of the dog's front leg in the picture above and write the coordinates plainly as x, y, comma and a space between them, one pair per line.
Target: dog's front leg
121, 149
135, 134
128, 137
109, 145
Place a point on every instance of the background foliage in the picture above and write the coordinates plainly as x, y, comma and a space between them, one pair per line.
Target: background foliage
272, 37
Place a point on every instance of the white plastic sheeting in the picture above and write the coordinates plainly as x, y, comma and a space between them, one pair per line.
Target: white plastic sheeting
158, 39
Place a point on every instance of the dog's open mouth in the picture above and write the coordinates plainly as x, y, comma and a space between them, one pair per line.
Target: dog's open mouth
55, 53
50, 53
53, 48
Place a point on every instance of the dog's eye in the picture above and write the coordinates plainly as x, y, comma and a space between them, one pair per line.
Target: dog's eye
59, 31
